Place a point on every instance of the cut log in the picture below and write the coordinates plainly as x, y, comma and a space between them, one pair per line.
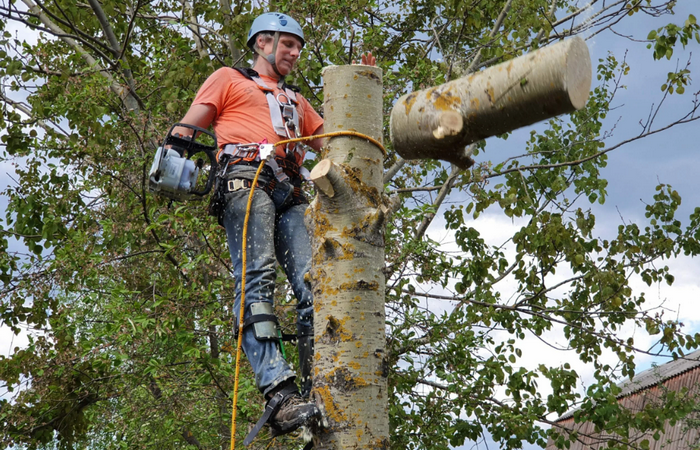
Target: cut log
440, 122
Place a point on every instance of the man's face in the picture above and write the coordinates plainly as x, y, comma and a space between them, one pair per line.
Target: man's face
288, 50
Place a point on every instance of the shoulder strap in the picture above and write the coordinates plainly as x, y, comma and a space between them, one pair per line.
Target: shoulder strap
246, 72
291, 87
251, 74
279, 113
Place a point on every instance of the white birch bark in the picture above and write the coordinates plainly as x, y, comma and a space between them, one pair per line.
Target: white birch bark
346, 221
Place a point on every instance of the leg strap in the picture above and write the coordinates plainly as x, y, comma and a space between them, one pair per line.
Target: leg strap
270, 408
264, 322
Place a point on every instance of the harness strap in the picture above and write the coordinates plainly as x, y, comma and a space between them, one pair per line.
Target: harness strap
281, 113
289, 167
260, 318
282, 168
286, 337
235, 184
292, 169
284, 114
279, 173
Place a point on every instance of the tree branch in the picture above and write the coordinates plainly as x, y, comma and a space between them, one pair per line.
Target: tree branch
117, 50
496, 26
106, 28
389, 174
27, 110
225, 7
690, 117
552, 10
124, 94
194, 27
428, 219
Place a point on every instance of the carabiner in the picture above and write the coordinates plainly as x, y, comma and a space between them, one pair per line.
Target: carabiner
293, 133
285, 96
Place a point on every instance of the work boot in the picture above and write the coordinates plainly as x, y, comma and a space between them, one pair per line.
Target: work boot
292, 412
306, 356
285, 411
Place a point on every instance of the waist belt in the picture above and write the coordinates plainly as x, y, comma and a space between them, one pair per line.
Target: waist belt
282, 168
289, 167
236, 184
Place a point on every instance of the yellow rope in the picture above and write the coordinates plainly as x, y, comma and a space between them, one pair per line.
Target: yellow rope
244, 256
242, 309
334, 134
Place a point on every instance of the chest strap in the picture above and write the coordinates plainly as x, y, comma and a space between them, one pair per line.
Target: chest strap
284, 115
283, 109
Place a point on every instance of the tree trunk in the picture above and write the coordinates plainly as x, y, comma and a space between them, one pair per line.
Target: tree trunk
439, 122
346, 221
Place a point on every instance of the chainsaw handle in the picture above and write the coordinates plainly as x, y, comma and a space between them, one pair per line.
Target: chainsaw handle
212, 173
192, 147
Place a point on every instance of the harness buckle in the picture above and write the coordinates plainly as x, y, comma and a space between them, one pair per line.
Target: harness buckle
248, 152
291, 133
286, 97
266, 150
288, 112
236, 184
279, 173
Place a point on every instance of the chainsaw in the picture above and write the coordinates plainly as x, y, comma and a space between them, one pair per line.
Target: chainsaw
174, 174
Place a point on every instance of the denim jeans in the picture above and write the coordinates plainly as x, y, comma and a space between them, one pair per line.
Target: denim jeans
275, 230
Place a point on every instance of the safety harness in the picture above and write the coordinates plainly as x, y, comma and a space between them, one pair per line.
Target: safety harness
284, 117
285, 121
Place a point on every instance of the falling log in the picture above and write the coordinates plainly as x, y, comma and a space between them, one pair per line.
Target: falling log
439, 122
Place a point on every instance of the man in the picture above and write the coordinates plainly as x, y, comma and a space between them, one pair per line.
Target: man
256, 106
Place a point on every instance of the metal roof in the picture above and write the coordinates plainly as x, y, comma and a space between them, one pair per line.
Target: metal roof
659, 374
653, 376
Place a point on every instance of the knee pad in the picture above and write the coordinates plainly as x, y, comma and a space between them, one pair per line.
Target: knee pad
264, 322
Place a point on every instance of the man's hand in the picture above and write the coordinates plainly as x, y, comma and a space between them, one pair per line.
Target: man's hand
367, 59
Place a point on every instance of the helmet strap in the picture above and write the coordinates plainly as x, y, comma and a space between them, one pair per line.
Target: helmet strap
271, 57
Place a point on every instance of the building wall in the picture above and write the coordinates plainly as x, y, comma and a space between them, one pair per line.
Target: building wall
675, 437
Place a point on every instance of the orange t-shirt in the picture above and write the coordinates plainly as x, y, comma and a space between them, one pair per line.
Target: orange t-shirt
242, 111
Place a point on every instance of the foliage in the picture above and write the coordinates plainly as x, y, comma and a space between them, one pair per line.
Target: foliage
128, 297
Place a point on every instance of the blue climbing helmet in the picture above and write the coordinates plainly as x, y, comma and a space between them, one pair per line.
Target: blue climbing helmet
276, 23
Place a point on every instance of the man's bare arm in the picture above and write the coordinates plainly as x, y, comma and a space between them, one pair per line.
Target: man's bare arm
317, 143
200, 115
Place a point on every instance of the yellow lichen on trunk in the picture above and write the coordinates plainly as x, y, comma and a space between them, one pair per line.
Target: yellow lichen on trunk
346, 221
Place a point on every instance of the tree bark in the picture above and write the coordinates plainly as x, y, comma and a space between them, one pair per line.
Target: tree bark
346, 222
439, 122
